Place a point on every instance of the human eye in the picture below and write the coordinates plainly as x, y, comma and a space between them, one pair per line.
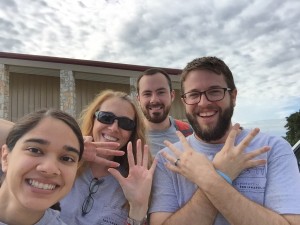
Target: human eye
215, 92
161, 92
147, 94
34, 150
67, 158
192, 95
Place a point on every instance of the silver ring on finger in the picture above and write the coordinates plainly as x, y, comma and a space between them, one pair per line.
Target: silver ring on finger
176, 162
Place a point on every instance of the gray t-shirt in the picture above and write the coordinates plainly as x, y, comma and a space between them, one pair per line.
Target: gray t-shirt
50, 217
108, 207
275, 185
156, 138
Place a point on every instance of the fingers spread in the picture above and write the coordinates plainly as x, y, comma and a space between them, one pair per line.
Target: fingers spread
106, 162
117, 175
184, 142
109, 145
87, 138
139, 155
109, 152
153, 166
145, 156
229, 143
172, 167
169, 157
257, 152
130, 155
254, 163
176, 151
246, 141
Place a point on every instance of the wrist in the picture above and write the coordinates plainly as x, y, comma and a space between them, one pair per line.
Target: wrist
224, 176
131, 221
138, 212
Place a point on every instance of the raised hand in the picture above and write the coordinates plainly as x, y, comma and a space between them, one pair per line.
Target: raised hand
189, 163
137, 185
232, 160
99, 152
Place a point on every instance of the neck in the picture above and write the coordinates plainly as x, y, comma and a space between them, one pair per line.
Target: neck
12, 212
99, 170
164, 125
222, 140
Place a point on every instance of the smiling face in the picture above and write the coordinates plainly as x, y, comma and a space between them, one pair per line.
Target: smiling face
41, 168
112, 132
155, 97
210, 120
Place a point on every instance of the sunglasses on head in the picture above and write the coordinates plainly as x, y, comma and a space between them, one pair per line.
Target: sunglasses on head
109, 118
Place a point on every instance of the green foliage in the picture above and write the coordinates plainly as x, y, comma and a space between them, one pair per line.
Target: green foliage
293, 128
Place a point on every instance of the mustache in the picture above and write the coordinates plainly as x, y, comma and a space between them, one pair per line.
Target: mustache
155, 105
206, 108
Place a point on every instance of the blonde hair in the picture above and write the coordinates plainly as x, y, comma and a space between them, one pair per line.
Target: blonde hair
87, 119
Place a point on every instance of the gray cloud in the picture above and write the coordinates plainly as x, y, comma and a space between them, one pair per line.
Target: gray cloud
259, 40
8, 5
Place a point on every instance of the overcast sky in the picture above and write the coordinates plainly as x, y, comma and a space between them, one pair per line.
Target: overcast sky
259, 41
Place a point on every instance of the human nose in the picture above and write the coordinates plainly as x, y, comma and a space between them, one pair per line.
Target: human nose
49, 166
203, 99
154, 98
114, 125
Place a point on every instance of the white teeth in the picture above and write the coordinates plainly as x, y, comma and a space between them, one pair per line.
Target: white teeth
110, 138
155, 107
207, 113
39, 185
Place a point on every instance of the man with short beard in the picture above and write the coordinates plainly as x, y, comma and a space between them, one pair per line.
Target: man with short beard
222, 174
155, 96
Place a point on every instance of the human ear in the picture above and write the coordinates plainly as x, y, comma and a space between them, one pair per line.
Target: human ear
233, 96
172, 95
138, 99
4, 158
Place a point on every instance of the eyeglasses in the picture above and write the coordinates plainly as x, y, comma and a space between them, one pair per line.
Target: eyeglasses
212, 95
89, 200
109, 118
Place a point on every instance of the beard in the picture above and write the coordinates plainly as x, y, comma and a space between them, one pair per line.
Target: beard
212, 133
157, 117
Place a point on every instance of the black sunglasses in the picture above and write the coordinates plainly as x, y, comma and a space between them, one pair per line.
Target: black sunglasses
109, 118
89, 200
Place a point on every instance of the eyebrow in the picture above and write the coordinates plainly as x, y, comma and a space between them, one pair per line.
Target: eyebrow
71, 149
161, 89
209, 88
45, 142
158, 89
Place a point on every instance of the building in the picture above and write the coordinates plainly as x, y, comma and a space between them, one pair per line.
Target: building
31, 82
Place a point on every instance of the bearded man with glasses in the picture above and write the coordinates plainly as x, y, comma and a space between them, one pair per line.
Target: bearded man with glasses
222, 174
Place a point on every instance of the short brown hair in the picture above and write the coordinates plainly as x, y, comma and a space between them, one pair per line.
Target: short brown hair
150, 72
210, 63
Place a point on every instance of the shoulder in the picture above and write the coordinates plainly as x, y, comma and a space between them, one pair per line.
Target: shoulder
51, 217
191, 140
279, 146
262, 137
184, 127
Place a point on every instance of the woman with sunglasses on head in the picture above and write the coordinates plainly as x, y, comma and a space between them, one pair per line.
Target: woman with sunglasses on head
114, 182
39, 161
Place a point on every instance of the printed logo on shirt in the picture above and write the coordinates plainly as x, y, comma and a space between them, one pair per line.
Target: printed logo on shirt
109, 221
251, 180
259, 171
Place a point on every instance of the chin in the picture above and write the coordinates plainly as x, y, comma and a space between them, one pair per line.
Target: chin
39, 205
